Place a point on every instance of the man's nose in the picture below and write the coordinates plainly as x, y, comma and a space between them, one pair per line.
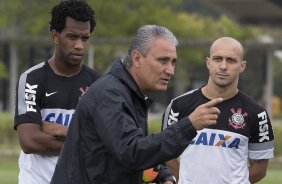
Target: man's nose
78, 44
170, 68
223, 64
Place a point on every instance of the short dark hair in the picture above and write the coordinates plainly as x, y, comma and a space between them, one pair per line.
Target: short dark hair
76, 9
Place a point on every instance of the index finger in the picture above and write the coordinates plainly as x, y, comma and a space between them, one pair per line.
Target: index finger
213, 102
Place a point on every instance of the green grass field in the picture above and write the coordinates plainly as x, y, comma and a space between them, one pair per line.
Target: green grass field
9, 170
274, 174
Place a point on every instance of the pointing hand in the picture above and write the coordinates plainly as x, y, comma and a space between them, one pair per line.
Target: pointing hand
205, 114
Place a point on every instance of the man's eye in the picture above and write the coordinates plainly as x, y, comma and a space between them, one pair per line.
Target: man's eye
164, 60
231, 60
217, 59
72, 37
85, 38
174, 62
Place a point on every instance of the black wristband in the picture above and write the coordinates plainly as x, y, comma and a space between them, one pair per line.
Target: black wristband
164, 174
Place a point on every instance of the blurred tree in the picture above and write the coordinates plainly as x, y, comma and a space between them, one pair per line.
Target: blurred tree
187, 19
25, 17
122, 18
3, 71
277, 80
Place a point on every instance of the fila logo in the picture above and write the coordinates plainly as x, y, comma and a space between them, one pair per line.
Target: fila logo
30, 97
263, 127
49, 94
218, 140
172, 117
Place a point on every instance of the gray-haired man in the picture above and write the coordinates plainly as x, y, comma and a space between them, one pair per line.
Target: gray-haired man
107, 140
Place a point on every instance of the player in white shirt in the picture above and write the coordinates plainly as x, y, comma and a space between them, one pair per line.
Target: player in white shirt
236, 149
48, 93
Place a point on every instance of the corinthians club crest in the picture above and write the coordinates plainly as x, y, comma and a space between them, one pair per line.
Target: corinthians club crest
237, 120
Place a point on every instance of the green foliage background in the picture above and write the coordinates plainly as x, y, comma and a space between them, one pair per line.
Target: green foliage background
3, 71
121, 19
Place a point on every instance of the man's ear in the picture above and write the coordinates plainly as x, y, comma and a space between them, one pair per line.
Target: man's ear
55, 36
136, 58
208, 62
243, 66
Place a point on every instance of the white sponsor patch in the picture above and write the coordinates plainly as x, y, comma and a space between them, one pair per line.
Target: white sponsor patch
30, 96
59, 116
263, 127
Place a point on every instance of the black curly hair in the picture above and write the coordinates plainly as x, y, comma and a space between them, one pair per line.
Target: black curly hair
76, 9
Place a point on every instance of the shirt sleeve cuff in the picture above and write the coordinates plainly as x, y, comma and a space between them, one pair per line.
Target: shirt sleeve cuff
187, 129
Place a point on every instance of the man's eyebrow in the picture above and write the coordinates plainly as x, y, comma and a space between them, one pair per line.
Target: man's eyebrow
228, 57
216, 56
166, 58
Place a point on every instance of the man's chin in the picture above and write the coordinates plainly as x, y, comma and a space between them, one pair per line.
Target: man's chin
161, 88
75, 63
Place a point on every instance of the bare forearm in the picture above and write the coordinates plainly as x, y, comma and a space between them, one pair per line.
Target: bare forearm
33, 140
54, 129
43, 144
257, 170
256, 177
173, 165
50, 146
